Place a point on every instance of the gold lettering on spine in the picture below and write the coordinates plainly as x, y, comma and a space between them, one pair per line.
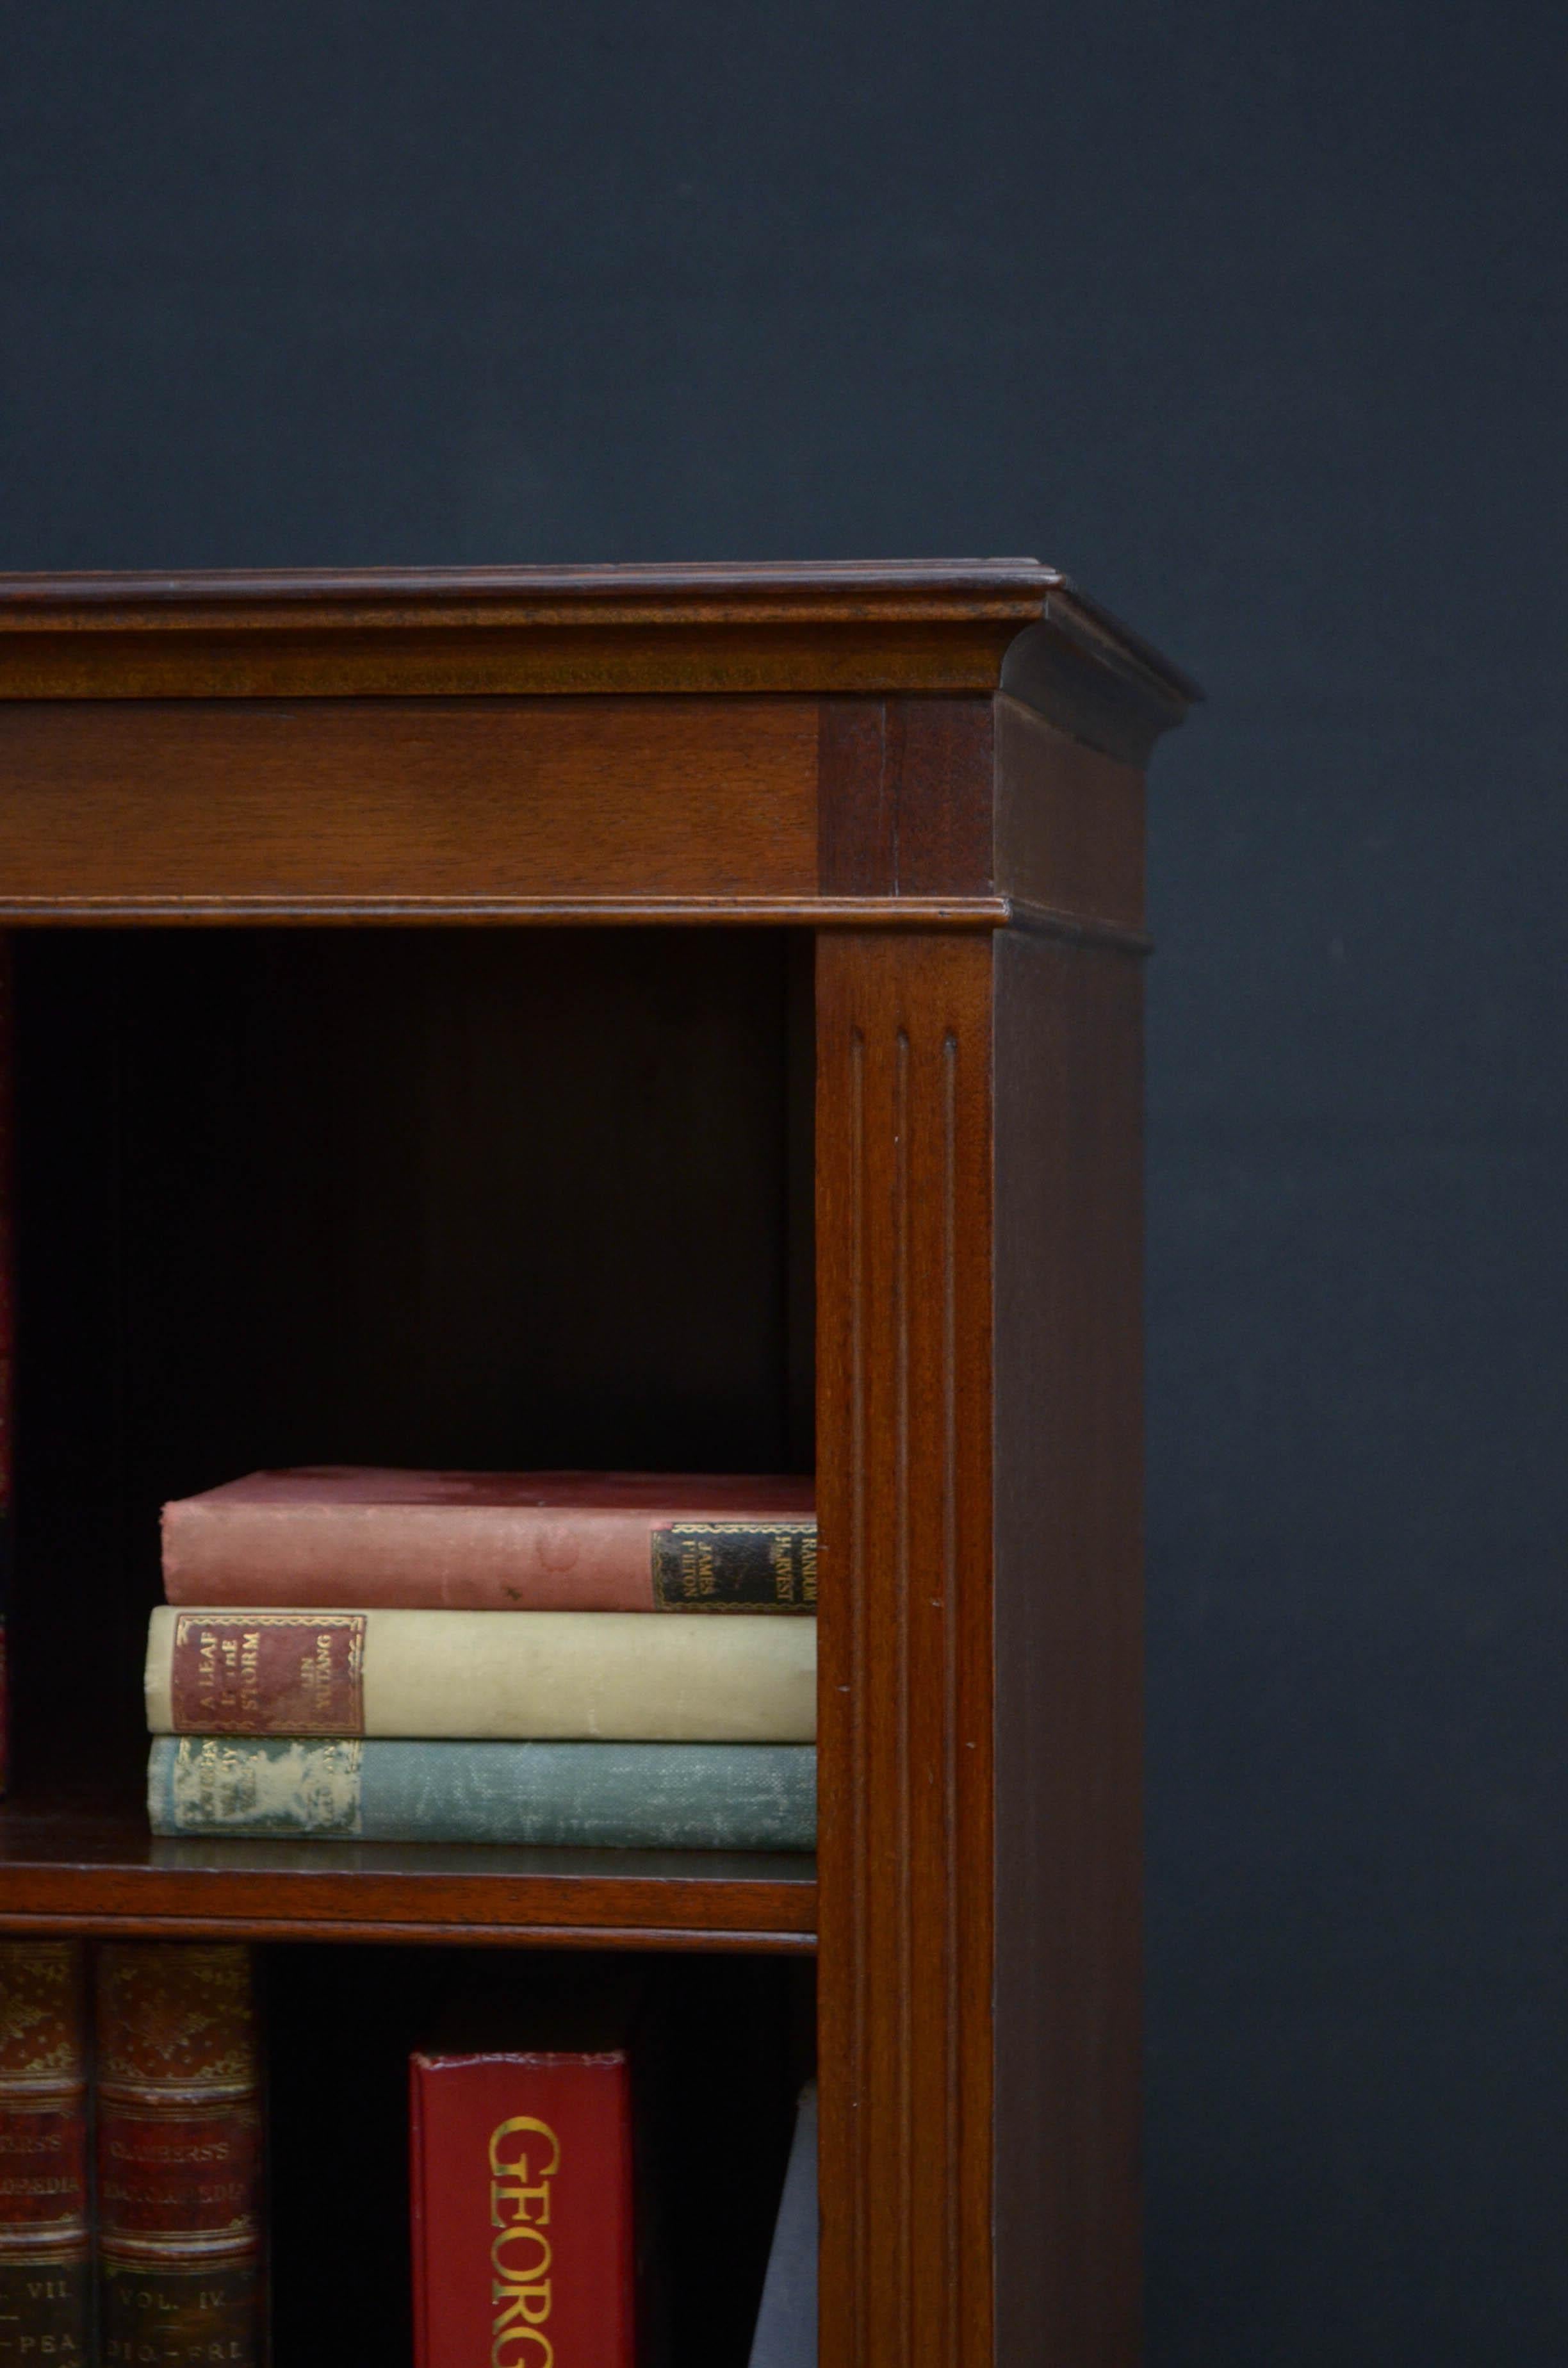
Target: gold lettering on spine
530, 2271
521, 2336
520, 2162
520, 2209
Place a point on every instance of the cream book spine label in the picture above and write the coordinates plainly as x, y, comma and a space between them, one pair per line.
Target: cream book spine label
268, 1786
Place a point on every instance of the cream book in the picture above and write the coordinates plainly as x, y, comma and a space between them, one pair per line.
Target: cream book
615, 1676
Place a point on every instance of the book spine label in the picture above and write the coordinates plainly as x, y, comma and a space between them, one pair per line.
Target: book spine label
597, 1795
179, 2145
521, 2196
163, 2315
46, 2307
269, 1672
734, 1566
188, 2173
43, 2170
45, 2273
567, 1676
262, 1785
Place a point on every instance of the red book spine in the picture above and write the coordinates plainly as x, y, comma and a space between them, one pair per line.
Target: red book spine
494, 1541
521, 2194
46, 2286
180, 2219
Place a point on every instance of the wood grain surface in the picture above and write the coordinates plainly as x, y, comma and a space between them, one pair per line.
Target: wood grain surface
846, 626
401, 800
905, 799
554, 913
940, 759
903, 1478
856, 808
100, 1872
818, 591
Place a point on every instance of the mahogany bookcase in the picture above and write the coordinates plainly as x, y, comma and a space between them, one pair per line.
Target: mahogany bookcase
925, 782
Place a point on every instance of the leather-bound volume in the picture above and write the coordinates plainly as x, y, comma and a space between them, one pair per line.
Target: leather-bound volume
46, 2283
521, 2192
190, 2314
335, 1536
180, 2157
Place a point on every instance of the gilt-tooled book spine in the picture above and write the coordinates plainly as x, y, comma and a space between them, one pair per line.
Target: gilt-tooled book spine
337, 1537
733, 1796
7, 1328
181, 2234
46, 2277
547, 1676
521, 2196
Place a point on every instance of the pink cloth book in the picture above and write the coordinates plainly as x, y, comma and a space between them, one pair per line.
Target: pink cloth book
343, 1537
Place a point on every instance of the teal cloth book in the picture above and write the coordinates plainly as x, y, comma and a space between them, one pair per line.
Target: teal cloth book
616, 1795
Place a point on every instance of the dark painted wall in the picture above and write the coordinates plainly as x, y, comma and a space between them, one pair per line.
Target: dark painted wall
1252, 315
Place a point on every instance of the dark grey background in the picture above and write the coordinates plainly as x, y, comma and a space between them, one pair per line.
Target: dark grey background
1253, 318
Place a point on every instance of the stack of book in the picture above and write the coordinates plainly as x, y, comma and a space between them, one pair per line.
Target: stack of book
470, 1656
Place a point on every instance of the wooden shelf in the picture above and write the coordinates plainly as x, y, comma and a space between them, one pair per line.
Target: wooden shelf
87, 1870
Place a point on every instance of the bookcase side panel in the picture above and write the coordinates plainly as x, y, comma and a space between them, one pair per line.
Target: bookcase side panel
904, 1234
1069, 825
1068, 1634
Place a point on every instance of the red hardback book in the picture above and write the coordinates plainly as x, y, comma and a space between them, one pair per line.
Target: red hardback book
521, 2192
339, 1537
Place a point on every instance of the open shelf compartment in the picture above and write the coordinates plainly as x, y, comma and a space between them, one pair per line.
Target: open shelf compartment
425, 1196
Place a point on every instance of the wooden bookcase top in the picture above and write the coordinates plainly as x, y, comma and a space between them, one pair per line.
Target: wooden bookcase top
819, 746
842, 625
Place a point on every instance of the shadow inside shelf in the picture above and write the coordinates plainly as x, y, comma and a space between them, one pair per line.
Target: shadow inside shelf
481, 1859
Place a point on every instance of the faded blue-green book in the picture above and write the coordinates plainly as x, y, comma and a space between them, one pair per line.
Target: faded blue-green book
616, 1795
